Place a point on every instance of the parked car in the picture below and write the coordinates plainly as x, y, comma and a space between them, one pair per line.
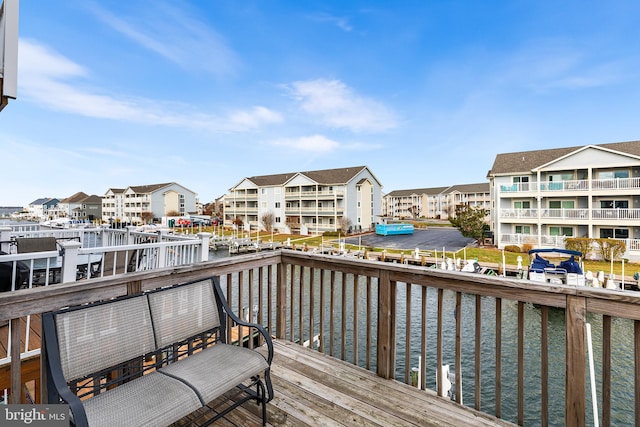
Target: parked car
200, 221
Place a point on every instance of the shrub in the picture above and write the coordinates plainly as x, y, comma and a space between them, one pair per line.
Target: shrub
581, 244
526, 247
609, 247
512, 248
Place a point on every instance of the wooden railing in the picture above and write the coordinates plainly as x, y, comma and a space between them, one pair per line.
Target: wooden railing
386, 316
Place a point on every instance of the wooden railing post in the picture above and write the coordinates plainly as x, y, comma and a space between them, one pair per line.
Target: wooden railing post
16, 371
281, 301
575, 376
386, 326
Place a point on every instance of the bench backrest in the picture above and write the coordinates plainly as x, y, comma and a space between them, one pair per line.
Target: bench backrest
97, 337
36, 244
101, 336
184, 311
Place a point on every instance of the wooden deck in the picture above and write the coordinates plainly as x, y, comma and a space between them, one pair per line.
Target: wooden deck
312, 389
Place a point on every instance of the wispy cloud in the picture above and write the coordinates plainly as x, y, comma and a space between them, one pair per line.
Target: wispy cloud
55, 82
172, 33
336, 105
339, 21
311, 143
556, 64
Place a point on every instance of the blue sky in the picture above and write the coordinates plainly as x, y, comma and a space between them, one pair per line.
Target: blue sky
205, 93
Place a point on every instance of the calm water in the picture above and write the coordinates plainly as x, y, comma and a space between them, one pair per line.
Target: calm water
622, 349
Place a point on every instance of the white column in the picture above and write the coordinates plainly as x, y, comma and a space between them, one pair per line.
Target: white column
204, 248
69, 260
5, 237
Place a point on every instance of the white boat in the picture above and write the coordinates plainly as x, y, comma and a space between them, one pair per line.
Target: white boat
63, 223
568, 271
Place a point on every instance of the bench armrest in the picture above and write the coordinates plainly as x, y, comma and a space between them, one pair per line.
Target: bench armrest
238, 321
57, 387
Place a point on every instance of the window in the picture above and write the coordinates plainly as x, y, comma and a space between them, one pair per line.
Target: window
560, 177
522, 182
614, 204
522, 205
523, 229
277, 219
561, 204
613, 174
614, 233
277, 205
561, 231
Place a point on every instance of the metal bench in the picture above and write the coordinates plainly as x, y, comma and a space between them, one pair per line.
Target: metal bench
154, 358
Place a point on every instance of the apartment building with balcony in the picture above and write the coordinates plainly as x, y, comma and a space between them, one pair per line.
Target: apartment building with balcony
306, 203
435, 202
128, 204
542, 196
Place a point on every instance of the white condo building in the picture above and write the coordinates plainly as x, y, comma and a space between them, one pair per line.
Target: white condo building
542, 196
435, 202
307, 203
128, 204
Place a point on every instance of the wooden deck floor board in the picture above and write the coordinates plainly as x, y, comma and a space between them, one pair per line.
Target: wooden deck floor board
380, 401
313, 389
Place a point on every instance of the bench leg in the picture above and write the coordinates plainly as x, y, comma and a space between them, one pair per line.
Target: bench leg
262, 399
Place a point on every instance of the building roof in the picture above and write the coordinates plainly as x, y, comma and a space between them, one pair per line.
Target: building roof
93, 199
76, 198
43, 201
144, 189
526, 161
482, 187
325, 176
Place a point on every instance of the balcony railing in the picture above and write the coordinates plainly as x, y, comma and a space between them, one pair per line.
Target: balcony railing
574, 185
519, 213
333, 194
571, 214
615, 184
313, 210
615, 214
385, 317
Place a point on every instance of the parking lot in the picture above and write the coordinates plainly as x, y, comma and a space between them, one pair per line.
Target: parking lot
434, 238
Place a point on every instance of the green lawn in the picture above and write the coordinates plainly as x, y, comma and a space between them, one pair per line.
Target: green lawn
484, 255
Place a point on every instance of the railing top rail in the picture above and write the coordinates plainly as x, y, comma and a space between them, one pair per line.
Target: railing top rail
133, 247
42, 299
33, 301
28, 256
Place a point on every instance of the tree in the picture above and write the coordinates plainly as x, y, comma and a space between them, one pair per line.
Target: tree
267, 219
414, 211
344, 223
470, 221
173, 213
147, 217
